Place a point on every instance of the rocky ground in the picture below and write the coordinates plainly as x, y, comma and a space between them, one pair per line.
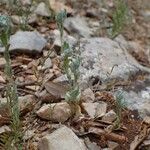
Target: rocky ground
108, 66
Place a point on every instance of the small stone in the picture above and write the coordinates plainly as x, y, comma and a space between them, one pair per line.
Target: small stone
28, 42
146, 15
110, 116
101, 109
77, 26
42, 10
56, 112
26, 2
91, 145
32, 18
16, 19
58, 6
61, 139
147, 144
95, 109
61, 79
88, 95
2, 62
26, 103
57, 40
2, 80
47, 64
90, 108
147, 119
4, 129
145, 94
28, 134
112, 145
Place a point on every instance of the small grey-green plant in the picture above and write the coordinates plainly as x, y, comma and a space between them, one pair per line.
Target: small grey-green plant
71, 64
11, 89
120, 104
119, 17
60, 18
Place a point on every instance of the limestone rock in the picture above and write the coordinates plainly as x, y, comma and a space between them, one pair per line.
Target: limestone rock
42, 10
95, 109
104, 58
47, 64
137, 97
28, 42
110, 116
56, 112
57, 40
88, 95
77, 26
61, 139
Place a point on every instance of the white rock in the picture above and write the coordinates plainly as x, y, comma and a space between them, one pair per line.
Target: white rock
88, 95
61, 79
112, 145
16, 19
104, 58
2, 49
42, 10
2, 62
147, 119
26, 2
47, 64
110, 116
4, 129
145, 94
61, 139
144, 109
57, 40
138, 97
101, 109
77, 26
27, 42
32, 18
56, 112
91, 145
19, 20
146, 14
28, 134
2, 80
95, 109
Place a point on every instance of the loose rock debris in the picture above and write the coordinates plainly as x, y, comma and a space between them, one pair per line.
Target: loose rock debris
123, 63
